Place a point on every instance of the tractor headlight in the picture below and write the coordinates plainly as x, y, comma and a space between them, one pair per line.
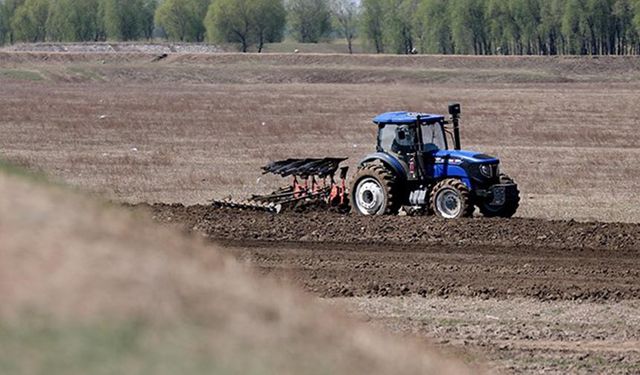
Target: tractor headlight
486, 170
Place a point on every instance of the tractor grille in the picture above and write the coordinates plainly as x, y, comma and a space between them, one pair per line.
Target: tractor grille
484, 174
494, 170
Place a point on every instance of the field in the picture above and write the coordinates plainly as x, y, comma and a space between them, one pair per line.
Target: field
100, 290
527, 295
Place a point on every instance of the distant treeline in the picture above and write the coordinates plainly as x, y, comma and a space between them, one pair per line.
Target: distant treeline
514, 27
482, 27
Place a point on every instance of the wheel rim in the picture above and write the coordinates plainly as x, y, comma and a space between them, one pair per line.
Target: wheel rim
449, 204
369, 196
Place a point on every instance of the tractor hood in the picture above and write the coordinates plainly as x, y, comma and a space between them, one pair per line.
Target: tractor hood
460, 156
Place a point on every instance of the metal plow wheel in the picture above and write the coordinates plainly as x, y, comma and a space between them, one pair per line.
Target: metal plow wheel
313, 184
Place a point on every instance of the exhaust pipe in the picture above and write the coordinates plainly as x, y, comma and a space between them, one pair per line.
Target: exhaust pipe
454, 111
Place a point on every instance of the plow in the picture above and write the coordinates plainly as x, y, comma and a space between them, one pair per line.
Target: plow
418, 167
313, 184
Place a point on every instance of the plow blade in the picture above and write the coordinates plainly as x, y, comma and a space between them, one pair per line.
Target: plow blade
313, 184
304, 167
247, 205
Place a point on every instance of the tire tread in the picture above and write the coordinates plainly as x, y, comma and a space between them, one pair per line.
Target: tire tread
389, 183
465, 194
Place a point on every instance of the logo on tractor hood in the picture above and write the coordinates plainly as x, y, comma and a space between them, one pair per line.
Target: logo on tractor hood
457, 157
446, 160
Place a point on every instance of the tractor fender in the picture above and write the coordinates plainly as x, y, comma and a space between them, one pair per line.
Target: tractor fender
442, 171
393, 163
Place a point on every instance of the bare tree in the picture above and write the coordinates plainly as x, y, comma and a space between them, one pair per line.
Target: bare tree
346, 14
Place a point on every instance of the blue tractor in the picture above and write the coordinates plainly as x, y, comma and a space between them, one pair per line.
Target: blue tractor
419, 166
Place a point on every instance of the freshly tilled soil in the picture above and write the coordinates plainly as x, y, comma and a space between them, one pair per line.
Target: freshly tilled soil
344, 255
325, 226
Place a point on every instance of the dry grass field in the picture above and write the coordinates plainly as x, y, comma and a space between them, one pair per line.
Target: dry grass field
197, 127
193, 127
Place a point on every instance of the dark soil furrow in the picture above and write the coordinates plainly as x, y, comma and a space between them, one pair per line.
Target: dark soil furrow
544, 235
333, 255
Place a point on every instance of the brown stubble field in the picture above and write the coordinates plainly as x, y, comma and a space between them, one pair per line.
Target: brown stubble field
180, 132
196, 127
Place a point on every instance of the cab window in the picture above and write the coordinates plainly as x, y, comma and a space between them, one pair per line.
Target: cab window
433, 134
386, 135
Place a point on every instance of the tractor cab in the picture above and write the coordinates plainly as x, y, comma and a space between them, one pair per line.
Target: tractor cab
414, 141
398, 133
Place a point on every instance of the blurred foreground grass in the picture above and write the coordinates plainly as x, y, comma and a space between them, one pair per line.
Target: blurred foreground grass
44, 345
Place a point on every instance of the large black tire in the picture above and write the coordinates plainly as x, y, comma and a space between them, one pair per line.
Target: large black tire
374, 190
451, 199
510, 206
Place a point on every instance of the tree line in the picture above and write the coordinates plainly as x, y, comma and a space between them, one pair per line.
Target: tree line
483, 27
512, 27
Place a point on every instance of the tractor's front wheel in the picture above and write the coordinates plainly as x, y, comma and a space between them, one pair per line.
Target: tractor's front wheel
510, 203
374, 191
451, 199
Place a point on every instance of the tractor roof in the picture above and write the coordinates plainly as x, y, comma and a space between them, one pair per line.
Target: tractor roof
403, 118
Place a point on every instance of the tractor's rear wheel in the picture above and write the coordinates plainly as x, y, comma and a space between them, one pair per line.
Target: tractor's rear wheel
510, 206
374, 191
451, 199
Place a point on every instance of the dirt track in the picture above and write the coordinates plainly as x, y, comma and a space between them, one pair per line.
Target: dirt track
333, 255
